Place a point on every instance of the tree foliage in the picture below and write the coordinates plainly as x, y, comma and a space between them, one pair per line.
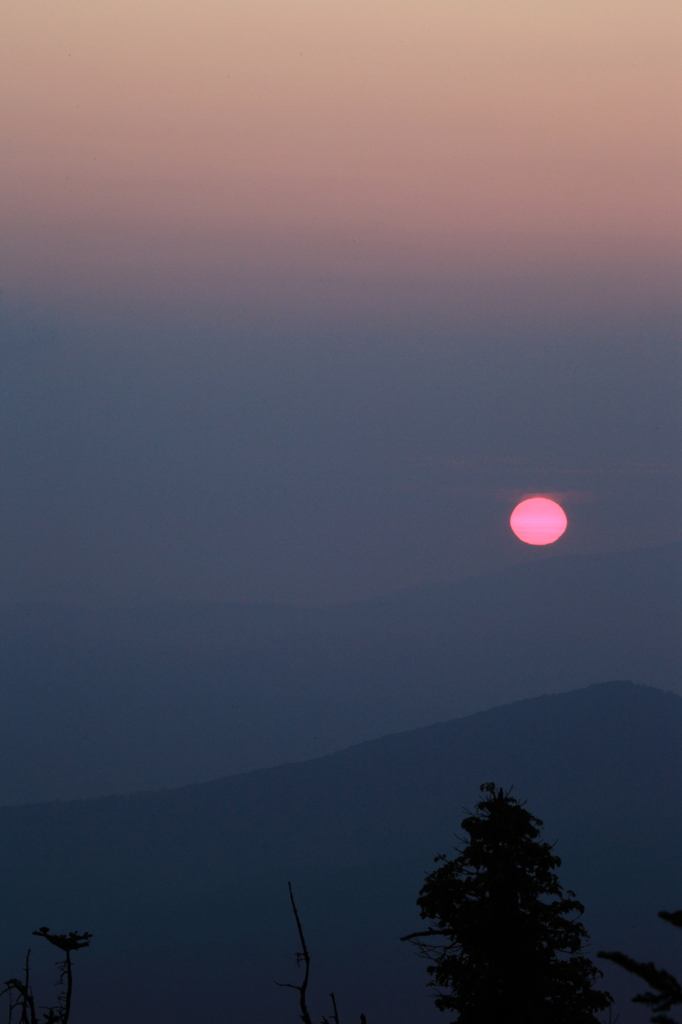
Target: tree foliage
506, 943
664, 990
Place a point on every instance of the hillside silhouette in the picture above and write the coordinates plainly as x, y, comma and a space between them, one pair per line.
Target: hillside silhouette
132, 699
186, 889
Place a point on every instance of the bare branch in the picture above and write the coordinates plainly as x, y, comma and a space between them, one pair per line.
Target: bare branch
301, 958
419, 935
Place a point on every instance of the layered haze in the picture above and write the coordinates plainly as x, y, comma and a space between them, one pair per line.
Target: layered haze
300, 299
296, 156
128, 699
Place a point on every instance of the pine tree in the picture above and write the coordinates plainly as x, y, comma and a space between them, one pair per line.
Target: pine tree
506, 945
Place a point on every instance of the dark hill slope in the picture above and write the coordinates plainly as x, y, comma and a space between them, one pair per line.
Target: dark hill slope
186, 889
134, 699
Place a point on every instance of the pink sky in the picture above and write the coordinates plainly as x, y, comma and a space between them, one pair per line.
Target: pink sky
206, 149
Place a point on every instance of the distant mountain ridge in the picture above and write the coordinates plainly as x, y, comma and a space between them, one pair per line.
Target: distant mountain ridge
185, 889
139, 698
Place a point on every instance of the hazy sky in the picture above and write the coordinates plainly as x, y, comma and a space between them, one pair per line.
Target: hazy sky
300, 297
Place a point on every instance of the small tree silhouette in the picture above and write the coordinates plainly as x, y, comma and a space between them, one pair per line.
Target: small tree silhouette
21, 994
506, 944
667, 991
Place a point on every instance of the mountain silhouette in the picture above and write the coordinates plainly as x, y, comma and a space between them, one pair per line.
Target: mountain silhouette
132, 699
185, 889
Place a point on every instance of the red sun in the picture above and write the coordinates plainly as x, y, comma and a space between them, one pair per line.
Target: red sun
538, 521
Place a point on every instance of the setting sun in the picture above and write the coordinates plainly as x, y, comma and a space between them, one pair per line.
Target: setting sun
538, 521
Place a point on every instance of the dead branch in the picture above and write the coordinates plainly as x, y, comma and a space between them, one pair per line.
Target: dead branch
301, 958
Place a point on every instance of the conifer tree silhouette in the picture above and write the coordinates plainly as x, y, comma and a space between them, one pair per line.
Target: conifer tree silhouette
667, 991
506, 943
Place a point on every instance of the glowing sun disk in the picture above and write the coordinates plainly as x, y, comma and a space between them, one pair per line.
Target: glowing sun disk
538, 521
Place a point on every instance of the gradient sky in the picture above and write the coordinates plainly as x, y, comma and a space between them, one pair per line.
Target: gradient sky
300, 298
